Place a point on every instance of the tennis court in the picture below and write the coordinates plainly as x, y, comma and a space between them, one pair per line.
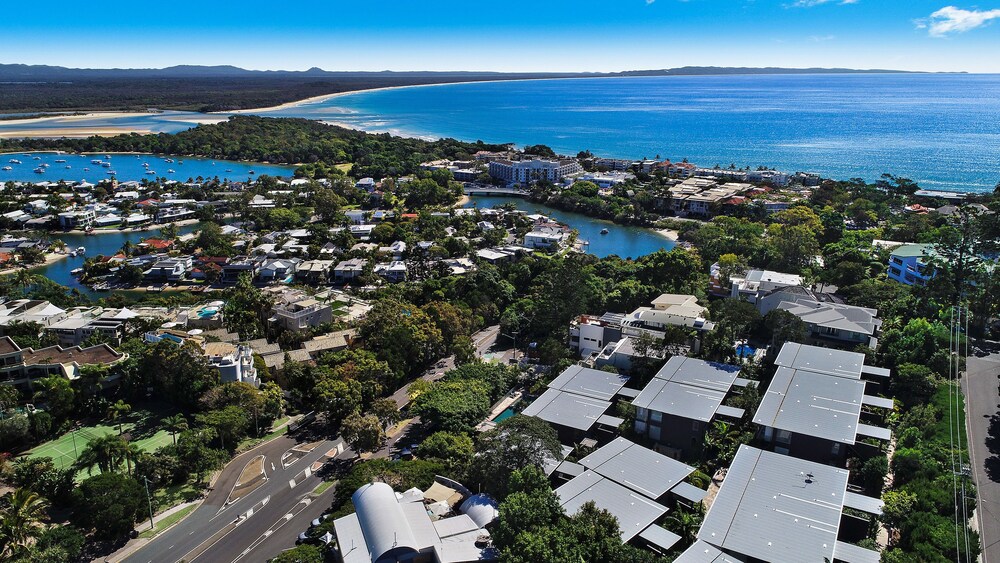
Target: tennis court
65, 449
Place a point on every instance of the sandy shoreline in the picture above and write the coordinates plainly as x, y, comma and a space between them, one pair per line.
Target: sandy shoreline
668, 233
50, 258
153, 227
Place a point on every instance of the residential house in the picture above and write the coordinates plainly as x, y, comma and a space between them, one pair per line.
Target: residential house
589, 334
29, 311
814, 406
667, 310
277, 269
301, 314
171, 269
238, 267
680, 403
84, 322
826, 319
314, 272
783, 510
349, 270
330, 342
909, 264
576, 403
751, 285
393, 272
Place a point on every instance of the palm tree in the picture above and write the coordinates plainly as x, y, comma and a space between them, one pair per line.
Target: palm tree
685, 524
176, 423
107, 453
117, 412
21, 514
23, 279
723, 438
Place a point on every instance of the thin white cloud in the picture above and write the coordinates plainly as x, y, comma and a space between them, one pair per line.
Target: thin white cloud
950, 19
811, 3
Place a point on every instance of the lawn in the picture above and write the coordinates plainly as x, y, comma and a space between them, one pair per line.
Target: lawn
345, 168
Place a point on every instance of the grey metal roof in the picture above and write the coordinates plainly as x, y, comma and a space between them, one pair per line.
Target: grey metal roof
863, 503
823, 360
588, 382
638, 468
701, 552
813, 404
570, 468
567, 409
850, 553
660, 537
453, 526
731, 412
678, 399
689, 492
608, 420
350, 538
869, 431
880, 402
872, 370
634, 511
699, 373
777, 508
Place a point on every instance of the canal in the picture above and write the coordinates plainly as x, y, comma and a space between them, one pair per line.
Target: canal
624, 241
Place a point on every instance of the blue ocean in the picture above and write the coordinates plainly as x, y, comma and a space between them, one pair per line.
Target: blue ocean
942, 130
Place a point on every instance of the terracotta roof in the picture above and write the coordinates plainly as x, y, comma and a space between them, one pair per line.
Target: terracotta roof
98, 354
7, 345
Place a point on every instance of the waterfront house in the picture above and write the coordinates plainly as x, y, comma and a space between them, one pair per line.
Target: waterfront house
171, 269
232, 271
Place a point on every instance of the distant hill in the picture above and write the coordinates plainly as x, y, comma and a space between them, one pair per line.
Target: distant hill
19, 72
44, 88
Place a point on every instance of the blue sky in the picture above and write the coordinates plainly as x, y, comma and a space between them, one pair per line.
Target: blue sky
514, 35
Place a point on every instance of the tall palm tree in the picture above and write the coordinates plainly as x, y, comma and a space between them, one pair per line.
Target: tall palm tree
685, 524
20, 521
107, 453
117, 412
23, 279
176, 423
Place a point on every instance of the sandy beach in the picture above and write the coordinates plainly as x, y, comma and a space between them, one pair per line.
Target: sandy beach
668, 233
50, 258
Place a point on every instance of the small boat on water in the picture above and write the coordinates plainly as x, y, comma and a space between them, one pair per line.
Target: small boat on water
229, 169
251, 172
97, 161
37, 157
15, 161
106, 164
605, 231
107, 156
81, 250
152, 172
76, 271
59, 160
111, 172
170, 171
170, 161
39, 170
44, 165
7, 168
68, 167
71, 254
86, 169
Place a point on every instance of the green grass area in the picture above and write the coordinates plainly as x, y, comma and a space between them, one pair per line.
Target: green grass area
322, 487
345, 168
168, 521
173, 495
143, 426
945, 404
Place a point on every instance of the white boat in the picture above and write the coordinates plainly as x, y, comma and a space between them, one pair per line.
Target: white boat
152, 172
86, 169
15, 161
106, 165
39, 170
81, 250
111, 172
251, 172
38, 158
44, 165
76, 271
170, 171
107, 156
7, 168
145, 165
229, 169
97, 161
59, 160
68, 167
170, 160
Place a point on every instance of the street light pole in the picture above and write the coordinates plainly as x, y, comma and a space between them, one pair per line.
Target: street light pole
149, 500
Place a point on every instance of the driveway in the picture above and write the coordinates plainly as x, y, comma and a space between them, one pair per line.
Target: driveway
982, 400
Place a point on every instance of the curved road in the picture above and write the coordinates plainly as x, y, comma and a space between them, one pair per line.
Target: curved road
217, 532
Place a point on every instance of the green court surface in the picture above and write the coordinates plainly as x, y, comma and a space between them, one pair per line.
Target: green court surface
142, 426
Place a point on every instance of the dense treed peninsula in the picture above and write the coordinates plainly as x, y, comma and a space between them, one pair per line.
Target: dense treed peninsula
261, 139
40, 88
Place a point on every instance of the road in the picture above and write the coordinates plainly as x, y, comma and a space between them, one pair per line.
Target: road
982, 400
217, 532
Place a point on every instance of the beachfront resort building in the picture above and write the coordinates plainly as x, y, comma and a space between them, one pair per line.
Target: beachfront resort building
534, 170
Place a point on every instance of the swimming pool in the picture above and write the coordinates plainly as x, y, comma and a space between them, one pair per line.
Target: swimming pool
745, 351
507, 413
